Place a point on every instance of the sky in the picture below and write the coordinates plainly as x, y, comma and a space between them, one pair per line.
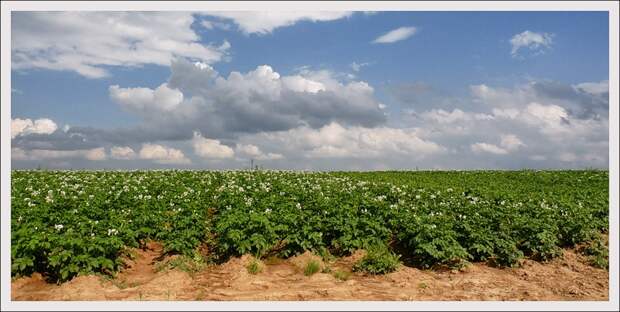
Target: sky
310, 90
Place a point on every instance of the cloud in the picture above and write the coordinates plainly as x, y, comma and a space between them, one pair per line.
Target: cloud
65, 40
122, 152
588, 100
508, 113
511, 142
312, 119
265, 22
259, 100
397, 34
213, 25
96, 154
19, 154
358, 66
336, 141
27, 126
162, 154
597, 88
508, 143
488, 148
531, 124
544, 115
420, 96
300, 84
501, 97
144, 100
442, 116
567, 157
535, 42
191, 77
538, 157
584, 101
210, 149
254, 152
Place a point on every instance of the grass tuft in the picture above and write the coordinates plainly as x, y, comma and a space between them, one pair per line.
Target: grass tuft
312, 267
342, 275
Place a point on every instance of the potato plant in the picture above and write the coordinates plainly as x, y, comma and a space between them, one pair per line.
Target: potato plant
65, 223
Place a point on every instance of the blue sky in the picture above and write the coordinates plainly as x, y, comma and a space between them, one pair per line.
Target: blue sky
456, 71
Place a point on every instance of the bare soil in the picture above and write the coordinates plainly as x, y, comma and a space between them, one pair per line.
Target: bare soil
569, 277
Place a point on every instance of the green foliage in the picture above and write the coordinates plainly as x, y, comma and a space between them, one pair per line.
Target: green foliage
184, 263
378, 260
65, 223
312, 267
342, 275
598, 252
254, 267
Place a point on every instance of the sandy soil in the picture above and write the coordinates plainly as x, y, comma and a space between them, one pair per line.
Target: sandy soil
566, 278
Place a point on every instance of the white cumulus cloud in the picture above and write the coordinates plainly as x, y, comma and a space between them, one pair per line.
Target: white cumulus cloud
196, 97
162, 154
508, 143
211, 149
534, 41
253, 151
336, 141
300, 84
122, 152
27, 126
145, 100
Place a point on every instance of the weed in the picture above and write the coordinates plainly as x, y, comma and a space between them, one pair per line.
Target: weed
190, 265
342, 275
312, 267
254, 267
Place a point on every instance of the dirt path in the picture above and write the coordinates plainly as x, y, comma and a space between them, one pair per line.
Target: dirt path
565, 278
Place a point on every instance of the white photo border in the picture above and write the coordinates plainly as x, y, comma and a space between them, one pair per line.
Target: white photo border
8, 6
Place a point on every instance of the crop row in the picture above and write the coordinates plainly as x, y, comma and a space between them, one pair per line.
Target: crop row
66, 223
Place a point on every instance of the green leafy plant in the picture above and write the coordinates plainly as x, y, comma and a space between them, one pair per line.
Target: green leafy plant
191, 265
598, 253
254, 267
378, 260
70, 223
